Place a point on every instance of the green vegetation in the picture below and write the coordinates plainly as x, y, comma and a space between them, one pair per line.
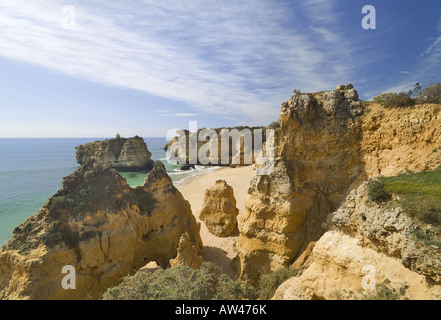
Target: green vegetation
384, 292
419, 194
395, 100
418, 95
184, 283
431, 94
376, 191
181, 283
269, 283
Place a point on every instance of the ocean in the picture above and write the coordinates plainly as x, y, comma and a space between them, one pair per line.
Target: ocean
31, 171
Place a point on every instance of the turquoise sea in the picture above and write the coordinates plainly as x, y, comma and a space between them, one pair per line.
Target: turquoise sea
31, 171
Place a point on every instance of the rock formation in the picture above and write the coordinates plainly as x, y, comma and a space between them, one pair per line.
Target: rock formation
219, 210
120, 153
236, 152
325, 146
188, 254
317, 158
367, 240
100, 226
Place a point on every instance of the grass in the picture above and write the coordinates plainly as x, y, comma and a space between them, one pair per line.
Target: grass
419, 194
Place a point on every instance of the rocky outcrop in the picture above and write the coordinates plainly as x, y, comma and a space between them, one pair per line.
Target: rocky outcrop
188, 254
219, 210
388, 229
236, 150
317, 158
343, 269
100, 226
327, 144
120, 153
368, 240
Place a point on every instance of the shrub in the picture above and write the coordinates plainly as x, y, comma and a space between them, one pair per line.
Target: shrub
376, 191
395, 100
431, 94
269, 282
181, 283
383, 292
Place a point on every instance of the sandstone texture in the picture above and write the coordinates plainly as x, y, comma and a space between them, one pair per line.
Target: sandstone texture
317, 158
100, 226
342, 269
120, 153
367, 240
327, 144
219, 210
188, 254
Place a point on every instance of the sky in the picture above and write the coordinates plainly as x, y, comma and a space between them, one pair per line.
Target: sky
95, 68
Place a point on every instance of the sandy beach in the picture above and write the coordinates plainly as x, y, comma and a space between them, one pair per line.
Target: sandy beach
216, 249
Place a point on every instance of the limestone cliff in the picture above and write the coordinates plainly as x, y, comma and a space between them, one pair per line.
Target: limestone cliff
122, 154
213, 150
318, 157
100, 226
219, 210
367, 240
327, 144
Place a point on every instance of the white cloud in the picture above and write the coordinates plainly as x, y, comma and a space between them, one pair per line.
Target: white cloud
233, 59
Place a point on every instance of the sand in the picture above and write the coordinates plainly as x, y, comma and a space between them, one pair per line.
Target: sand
218, 250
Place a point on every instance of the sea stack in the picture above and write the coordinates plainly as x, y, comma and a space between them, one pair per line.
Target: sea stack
121, 154
219, 210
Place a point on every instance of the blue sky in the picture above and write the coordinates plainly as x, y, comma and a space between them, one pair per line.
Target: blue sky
143, 67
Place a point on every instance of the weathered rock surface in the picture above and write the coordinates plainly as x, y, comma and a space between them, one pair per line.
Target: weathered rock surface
387, 229
221, 146
317, 158
367, 239
343, 269
100, 226
325, 146
120, 153
219, 210
188, 254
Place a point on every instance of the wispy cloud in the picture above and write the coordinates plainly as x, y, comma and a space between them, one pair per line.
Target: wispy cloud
233, 59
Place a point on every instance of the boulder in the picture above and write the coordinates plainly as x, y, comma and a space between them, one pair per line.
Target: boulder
219, 210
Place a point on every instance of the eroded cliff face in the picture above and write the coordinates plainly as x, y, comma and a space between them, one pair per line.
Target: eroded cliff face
318, 157
401, 139
367, 240
327, 144
120, 153
100, 226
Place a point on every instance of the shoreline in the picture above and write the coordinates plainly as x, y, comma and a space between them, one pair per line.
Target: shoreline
218, 250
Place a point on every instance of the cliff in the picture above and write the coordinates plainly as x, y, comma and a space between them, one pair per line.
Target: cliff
210, 148
120, 153
100, 226
368, 240
326, 145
